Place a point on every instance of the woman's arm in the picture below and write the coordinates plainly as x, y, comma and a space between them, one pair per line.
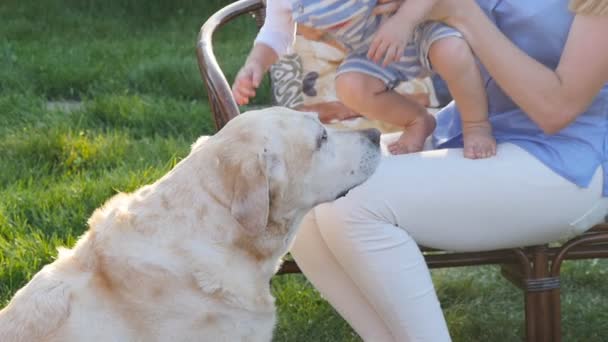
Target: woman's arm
551, 98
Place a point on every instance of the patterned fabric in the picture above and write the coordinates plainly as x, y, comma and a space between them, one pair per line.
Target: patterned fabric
325, 14
287, 80
413, 64
313, 69
350, 22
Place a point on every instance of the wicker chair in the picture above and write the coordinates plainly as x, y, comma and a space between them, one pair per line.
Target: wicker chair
534, 269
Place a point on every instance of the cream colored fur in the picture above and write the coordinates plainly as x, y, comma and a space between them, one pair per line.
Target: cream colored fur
190, 257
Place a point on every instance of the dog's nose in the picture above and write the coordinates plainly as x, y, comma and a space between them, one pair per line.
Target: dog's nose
372, 134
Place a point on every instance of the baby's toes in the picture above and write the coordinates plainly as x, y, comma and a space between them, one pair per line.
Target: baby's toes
401, 148
469, 151
490, 148
487, 150
395, 148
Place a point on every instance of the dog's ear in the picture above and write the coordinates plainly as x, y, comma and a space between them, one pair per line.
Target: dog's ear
251, 196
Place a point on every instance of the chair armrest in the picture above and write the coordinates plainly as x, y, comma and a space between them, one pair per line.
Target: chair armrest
223, 106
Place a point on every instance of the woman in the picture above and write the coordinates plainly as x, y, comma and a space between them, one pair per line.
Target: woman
545, 72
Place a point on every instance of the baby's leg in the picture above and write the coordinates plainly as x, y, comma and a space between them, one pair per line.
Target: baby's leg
368, 96
453, 60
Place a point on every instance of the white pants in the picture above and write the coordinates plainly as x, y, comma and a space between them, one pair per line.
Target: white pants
361, 251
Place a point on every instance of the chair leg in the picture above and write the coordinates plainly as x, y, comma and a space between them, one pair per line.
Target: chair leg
519, 274
542, 308
538, 290
556, 264
556, 309
532, 275
531, 309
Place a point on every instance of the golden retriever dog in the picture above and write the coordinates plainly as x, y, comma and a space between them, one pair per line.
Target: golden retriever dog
190, 257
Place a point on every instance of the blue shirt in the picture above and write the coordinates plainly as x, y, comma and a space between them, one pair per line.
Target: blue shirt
540, 28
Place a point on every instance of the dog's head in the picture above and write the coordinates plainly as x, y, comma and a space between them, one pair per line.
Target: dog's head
277, 164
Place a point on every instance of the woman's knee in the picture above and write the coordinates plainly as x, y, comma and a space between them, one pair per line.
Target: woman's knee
351, 220
336, 222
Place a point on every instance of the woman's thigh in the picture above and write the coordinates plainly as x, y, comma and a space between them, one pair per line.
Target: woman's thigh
446, 201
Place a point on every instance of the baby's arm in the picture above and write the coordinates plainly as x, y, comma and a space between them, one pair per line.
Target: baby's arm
392, 37
279, 29
274, 39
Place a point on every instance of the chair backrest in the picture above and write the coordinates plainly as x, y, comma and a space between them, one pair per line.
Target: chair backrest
260, 15
222, 104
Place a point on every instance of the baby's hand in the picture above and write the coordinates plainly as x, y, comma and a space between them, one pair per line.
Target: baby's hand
390, 41
246, 82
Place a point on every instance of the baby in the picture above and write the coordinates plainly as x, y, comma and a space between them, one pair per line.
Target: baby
380, 55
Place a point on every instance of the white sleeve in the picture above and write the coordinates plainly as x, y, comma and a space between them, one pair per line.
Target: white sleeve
279, 29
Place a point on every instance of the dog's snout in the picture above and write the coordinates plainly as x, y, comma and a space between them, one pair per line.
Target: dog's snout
372, 134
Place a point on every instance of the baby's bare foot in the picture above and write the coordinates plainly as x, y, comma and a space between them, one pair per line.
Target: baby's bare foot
412, 140
478, 140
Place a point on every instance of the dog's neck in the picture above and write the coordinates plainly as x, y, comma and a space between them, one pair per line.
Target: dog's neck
234, 268
244, 279
236, 282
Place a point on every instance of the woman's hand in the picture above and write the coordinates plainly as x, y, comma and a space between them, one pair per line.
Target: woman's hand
391, 39
389, 42
387, 6
450, 12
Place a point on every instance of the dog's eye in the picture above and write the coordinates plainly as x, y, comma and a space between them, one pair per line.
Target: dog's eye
322, 139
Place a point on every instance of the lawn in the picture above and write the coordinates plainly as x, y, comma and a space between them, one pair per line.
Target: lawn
98, 97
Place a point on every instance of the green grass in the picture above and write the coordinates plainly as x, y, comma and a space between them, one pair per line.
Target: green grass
131, 68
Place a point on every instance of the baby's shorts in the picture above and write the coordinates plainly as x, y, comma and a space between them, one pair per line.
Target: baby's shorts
413, 64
